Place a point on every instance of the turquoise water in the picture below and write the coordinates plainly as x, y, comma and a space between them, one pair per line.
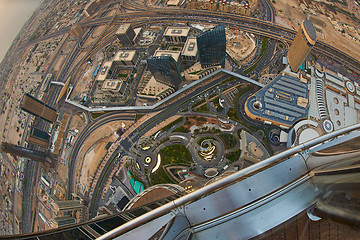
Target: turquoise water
301, 66
137, 186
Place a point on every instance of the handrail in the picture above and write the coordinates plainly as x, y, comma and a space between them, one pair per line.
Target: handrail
221, 183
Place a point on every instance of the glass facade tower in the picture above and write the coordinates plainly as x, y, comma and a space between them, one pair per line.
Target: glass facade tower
212, 46
165, 70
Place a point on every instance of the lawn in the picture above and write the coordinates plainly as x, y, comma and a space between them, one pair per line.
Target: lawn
169, 155
233, 156
232, 113
181, 129
167, 127
229, 140
95, 115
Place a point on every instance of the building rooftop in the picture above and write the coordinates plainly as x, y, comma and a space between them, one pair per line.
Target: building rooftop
104, 71
309, 29
174, 54
137, 31
91, 5
190, 47
111, 84
177, 31
123, 28
173, 2
126, 55
283, 101
251, 148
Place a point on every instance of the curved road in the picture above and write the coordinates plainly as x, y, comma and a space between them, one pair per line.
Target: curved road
154, 15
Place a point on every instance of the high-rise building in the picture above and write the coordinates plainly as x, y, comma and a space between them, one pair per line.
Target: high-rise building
57, 222
125, 34
44, 157
304, 40
90, 8
76, 31
114, 87
65, 205
38, 109
211, 46
189, 52
106, 71
171, 53
165, 70
38, 137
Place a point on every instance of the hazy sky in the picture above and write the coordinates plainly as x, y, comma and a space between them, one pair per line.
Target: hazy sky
13, 15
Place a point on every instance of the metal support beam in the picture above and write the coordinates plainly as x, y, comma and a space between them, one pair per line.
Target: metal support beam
337, 214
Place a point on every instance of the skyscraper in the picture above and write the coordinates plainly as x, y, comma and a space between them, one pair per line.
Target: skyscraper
65, 205
304, 40
76, 30
165, 70
38, 109
212, 46
125, 34
38, 138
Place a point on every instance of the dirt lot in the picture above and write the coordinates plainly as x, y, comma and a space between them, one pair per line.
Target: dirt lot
78, 122
93, 150
199, 121
292, 13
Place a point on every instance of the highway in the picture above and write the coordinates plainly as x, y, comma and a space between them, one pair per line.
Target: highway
252, 25
30, 174
32, 169
85, 133
46, 37
144, 16
268, 10
141, 19
125, 144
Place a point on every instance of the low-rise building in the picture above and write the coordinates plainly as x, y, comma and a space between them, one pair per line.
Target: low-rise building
189, 52
282, 102
126, 58
173, 3
192, 4
105, 71
176, 34
114, 86
243, 8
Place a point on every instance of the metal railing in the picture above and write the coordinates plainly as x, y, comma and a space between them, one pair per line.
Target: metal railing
222, 183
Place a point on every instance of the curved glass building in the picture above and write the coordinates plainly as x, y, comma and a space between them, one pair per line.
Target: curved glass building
165, 70
212, 46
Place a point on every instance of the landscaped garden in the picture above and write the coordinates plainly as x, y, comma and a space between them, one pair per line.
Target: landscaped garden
169, 155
